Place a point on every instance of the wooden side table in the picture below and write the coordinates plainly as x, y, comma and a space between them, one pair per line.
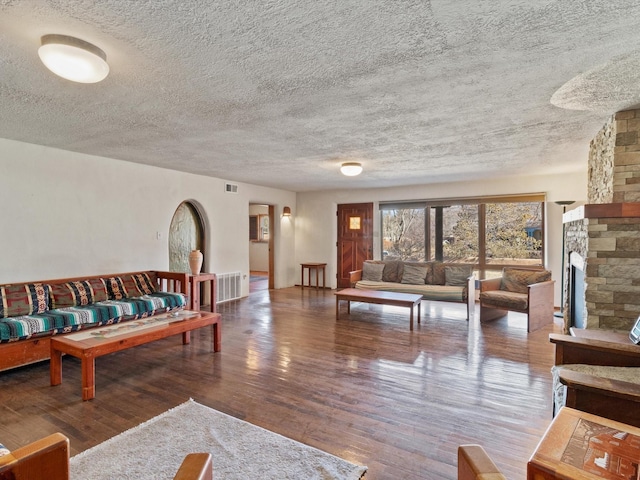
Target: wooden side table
195, 281
582, 446
313, 266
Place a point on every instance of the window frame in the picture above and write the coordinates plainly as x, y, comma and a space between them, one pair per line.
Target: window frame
481, 265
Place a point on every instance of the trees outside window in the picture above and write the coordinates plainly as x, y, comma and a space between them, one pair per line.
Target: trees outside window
487, 233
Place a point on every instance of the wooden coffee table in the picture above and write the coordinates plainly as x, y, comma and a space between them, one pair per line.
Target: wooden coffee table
381, 298
89, 344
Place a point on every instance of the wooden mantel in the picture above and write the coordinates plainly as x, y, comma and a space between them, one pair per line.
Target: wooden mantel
603, 210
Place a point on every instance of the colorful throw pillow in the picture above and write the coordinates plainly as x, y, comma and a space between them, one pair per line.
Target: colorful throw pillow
72, 294
98, 289
25, 299
372, 272
517, 280
143, 283
457, 276
115, 288
414, 274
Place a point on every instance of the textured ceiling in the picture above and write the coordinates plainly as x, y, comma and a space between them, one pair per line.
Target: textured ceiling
279, 93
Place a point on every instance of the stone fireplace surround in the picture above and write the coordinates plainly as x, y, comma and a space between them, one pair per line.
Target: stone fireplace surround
602, 238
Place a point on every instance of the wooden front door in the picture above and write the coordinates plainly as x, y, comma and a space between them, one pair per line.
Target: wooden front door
355, 239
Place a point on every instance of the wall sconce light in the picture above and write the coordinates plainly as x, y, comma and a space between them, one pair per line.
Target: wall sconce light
73, 59
351, 169
286, 212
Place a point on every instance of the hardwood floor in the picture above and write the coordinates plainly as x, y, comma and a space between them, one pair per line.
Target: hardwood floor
364, 387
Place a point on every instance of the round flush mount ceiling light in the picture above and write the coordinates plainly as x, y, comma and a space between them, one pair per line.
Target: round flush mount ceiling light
351, 169
73, 59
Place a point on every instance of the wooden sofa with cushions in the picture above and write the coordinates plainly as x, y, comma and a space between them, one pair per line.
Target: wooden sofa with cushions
519, 290
48, 458
32, 312
436, 281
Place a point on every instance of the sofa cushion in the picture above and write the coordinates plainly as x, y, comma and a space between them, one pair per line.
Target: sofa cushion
517, 280
372, 272
429, 292
115, 288
69, 319
505, 299
23, 299
458, 275
414, 274
78, 293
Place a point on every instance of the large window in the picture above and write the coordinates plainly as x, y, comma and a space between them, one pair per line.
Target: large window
489, 233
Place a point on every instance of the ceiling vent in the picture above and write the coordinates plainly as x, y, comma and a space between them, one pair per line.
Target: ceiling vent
230, 188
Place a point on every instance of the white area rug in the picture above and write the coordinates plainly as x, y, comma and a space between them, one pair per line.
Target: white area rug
240, 450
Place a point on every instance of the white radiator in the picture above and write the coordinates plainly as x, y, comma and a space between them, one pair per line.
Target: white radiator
229, 286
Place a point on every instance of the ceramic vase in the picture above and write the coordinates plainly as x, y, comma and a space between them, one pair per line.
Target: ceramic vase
195, 261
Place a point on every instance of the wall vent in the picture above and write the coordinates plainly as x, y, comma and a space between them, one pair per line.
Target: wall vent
229, 287
230, 188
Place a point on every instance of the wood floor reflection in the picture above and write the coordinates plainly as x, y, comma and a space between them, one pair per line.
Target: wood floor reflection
364, 387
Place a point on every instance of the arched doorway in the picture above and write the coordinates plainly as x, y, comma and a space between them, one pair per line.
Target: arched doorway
186, 233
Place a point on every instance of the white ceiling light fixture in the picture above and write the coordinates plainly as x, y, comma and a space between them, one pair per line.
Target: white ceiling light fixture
351, 169
73, 59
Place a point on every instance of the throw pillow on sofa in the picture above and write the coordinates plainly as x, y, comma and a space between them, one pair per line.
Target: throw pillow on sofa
372, 272
413, 274
78, 293
25, 299
115, 288
457, 276
143, 284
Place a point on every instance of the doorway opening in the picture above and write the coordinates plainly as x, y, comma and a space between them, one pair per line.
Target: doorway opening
261, 239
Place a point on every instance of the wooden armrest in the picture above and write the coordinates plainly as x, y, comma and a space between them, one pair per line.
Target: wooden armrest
604, 386
355, 276
490, 284
475, 464
541, 294
174, 281
47, 458
591, 351
195, 466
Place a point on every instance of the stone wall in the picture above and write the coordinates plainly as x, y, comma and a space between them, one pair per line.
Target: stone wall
611, 246
626, 167
601, 169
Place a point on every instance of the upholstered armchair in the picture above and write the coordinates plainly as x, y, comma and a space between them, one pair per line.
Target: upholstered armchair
519, 290
48, 458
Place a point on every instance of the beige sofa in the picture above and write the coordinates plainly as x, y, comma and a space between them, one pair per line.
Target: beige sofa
436, 281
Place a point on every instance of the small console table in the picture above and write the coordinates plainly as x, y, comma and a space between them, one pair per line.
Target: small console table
194, 291
313, 266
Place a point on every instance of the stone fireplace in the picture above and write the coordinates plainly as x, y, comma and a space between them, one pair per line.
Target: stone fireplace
602, 238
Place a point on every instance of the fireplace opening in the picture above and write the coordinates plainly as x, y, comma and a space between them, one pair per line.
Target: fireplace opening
576, 290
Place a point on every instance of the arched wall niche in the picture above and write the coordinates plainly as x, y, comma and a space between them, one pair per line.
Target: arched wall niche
186, 233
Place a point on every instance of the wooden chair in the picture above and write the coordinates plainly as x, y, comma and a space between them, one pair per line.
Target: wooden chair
518, 290
475, 464
48, 458
602, 394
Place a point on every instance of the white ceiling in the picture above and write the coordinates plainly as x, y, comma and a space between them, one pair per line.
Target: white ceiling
280, 92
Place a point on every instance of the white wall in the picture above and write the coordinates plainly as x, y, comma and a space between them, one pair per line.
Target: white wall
316, 221
67, 214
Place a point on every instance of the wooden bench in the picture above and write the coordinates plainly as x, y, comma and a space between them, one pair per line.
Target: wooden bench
38, 348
